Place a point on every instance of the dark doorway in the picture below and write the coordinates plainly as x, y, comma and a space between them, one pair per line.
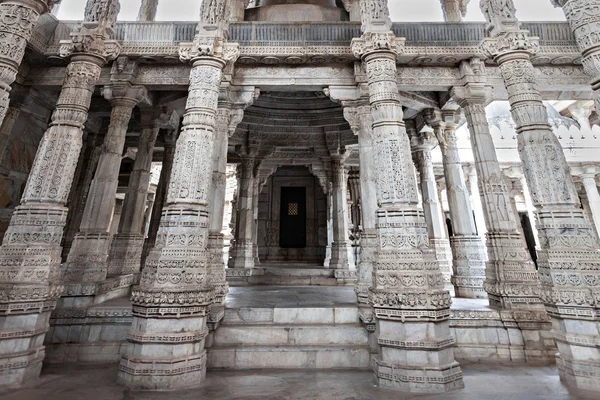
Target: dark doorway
292, 223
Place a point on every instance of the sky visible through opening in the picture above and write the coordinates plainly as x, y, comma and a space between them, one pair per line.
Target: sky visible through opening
401, 10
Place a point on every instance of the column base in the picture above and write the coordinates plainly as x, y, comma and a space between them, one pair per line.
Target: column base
175, 374
578, 357
418, 380
87, 260
468, 259
443, 254
125, 254
345, 277
21, 368
242, 255
218, 277
21, 346
86, 294
340, 256
166, 349
583, 376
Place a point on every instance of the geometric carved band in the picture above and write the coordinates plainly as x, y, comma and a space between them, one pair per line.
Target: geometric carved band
185, 337
165, 367
417, 344
412, 315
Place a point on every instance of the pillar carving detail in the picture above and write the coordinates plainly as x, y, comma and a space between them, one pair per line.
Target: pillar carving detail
171, 304
358, 114
18, 17
584, 18
408, 296
229, 114
88, 258
568, 259
30, 255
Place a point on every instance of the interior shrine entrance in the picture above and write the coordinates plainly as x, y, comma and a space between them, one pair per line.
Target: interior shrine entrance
292, 225
292, 218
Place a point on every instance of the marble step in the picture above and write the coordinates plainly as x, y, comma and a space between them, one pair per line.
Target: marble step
289, 357
286, 276
292, 316
304, 335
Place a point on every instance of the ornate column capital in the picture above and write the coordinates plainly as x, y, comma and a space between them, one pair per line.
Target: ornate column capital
90, 41
211, 36
507, 40
126, 95
39, 6
378, 44
474, 78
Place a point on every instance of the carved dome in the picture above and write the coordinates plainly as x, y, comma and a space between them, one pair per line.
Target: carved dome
296, 11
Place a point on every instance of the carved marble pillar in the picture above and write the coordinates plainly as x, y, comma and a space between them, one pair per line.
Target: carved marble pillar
227, 120
171, 304
511, 280
422, 144
127, 245
468, 250
18, 18
147, 10
584, 18
454, 10
341, 252
242, 254
161, 192
87, 261
408, 297
30, 252
568, 260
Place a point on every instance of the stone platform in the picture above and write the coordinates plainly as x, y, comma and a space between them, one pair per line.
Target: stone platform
282, 275
482, 382
295, 327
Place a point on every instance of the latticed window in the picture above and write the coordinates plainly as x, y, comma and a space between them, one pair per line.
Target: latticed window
292, 208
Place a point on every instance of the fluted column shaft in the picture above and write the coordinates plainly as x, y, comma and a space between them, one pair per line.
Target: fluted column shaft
243, 256
170, 305
18, 18
127, 245
568, 259
468, 250
407, 282
584, 18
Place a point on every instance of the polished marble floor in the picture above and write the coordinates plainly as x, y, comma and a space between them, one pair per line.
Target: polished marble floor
483, 382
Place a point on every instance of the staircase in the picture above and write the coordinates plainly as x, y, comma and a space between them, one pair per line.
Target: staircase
300, 337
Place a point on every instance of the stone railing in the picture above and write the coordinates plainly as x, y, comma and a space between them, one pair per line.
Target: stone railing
310, 34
